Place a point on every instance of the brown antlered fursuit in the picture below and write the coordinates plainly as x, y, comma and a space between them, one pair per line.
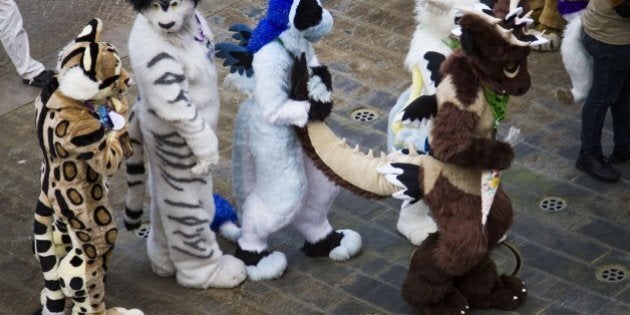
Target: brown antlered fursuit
451, 271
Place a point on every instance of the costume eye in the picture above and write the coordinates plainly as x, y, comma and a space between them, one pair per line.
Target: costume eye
511, 69
174, 4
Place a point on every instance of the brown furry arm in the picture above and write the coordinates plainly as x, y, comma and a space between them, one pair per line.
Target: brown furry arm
452, 141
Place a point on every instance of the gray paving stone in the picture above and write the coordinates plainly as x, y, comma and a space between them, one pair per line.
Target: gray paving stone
387, 297
608, 233
569, 270
549, 236
615, 308
352, 305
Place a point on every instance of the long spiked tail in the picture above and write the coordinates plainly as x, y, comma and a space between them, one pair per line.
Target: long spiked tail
349, 167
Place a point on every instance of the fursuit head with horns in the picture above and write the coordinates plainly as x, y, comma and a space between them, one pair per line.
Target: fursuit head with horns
174, 124
451, 271
82, 132
275, 183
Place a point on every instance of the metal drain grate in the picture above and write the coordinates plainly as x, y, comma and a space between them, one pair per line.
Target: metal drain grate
364, 114
611, 274
552, 204
143, 231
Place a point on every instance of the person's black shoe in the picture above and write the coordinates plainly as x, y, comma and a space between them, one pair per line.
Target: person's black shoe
619, 156
40, 80
598, 167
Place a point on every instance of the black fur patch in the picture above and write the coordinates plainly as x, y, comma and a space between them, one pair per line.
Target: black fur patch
42, 245
409, 178
93, 50
71, 55
47, 262
76, 283
39, 228
319, 110
248, 257
89, 138
421, 108
63, 205
51, 146
42, 210
308, 14
135, 169
323, 247
324, 74
56, 306
52, 285
435, 60
109, 81
85, 156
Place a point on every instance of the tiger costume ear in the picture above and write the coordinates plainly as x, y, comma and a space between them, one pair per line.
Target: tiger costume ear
79, 81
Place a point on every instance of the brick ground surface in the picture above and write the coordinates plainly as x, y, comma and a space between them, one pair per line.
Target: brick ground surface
562, 251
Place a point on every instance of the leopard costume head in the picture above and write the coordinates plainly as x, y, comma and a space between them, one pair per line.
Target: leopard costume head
90, 69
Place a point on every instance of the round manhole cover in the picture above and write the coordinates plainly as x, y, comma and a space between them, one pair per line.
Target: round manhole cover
612, 273
143, 231
552, 204
364, 114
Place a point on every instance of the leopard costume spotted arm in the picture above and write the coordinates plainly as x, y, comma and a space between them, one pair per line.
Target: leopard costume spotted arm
82, 135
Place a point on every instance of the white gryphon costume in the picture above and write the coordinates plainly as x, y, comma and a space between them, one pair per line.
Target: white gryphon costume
410, 119
275, 183
175, 121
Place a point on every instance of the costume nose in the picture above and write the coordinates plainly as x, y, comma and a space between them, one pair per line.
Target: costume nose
167, 25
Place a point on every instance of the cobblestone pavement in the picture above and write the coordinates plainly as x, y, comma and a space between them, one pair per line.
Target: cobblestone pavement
562, 251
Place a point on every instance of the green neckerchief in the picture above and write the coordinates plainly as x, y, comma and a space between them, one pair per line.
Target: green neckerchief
498, 105
453, 43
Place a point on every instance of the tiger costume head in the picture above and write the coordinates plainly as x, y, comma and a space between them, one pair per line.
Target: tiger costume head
167, 16
89, 69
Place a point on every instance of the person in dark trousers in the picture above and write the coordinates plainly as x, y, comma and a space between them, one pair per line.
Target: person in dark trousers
15, 42
606, 38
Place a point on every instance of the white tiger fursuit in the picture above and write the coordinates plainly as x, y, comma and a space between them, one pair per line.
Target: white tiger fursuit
175, 121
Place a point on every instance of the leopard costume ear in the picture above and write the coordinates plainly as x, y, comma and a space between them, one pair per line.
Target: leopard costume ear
77, 73
91, 32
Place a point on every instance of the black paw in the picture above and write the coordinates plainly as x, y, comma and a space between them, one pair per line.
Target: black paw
323, 247
324, 74
319, 111
248, 257
299, 79
404, 176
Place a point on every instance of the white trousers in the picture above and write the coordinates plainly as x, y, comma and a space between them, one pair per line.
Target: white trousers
15, 41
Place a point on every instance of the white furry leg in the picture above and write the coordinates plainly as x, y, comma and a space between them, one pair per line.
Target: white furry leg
415, 223
312, 220
157, 245
259, 221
